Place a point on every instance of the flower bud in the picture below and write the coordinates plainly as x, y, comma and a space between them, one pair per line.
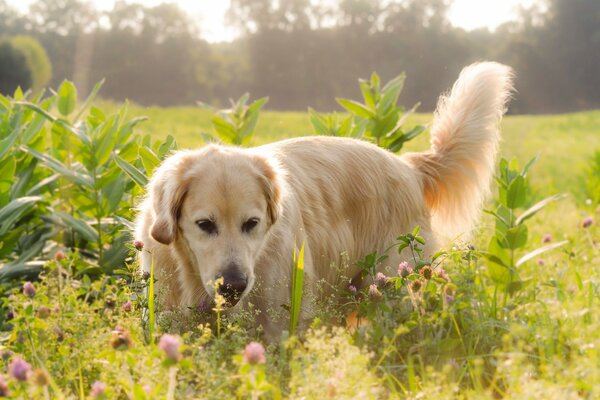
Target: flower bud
254, 353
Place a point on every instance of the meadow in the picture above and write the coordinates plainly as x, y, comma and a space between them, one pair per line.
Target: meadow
452, 327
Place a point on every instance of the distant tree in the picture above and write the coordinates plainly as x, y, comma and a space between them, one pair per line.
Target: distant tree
37, 60
14, 71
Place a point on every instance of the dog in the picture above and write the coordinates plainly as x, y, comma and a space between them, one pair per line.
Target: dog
229, 219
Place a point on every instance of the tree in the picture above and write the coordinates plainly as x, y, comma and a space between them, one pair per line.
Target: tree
14, 71
37, 60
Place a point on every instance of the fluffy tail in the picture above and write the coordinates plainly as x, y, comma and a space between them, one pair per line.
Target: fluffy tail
456, 171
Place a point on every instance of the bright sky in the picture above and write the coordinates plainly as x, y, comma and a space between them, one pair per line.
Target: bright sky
468, 14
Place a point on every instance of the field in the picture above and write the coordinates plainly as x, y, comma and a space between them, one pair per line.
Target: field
79, 333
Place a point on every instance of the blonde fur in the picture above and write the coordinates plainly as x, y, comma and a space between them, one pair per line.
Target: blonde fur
335, 195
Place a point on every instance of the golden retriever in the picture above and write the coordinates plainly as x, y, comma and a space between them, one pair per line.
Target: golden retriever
238, 214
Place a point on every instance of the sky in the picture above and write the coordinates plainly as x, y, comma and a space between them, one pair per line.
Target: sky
468, 14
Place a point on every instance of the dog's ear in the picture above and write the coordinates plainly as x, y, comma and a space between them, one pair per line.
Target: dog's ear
271, 187
168, 191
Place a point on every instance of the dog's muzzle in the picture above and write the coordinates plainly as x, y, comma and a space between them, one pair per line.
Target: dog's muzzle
233, 286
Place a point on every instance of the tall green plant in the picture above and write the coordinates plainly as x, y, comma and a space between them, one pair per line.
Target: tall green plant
379, 119
511, 233
236, 125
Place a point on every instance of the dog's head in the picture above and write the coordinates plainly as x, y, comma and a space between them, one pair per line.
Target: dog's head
220, 202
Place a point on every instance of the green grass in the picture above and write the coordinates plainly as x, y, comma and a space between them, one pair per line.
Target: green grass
447, 340
558, 140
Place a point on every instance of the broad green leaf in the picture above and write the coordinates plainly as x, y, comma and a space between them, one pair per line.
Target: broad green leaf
225, 130
79, 226
367, 93
10, 213
59, 167
7, 143
516, 194
516, 237
67, 98
135, 174
149, 160
355, 108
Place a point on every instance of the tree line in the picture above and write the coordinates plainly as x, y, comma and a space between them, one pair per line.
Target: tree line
302, 53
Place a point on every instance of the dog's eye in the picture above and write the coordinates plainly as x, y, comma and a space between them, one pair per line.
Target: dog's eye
207, 226
249, 225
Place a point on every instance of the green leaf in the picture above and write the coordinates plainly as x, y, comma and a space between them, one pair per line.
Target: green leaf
7, 143
224, 129
531, 211
149, 160
319, 123
297, 284
367, 93
539, 251
13, 211
67, 98
135, 174
79, 226
59, 167
89, 99
517, 193
355, 108
516, 237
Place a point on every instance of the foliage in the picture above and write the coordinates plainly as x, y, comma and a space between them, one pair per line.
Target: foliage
236, 125
511, 232
62, 182
37, 61
379, 119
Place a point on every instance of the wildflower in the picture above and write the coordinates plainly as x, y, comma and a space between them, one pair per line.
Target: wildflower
254, 353
170, 345
404, 269
40, 377
415, 286
19, 369
442, 274
449, 298
10, 314
547, 238
44, 312
110, 301
29, 289
127, 306
120, 339
145, 275
587, 222
98, 390
540, 262
471, 247
138, 244
374, 293
204, 306
59, 255
426, 272
381, 279
60, 334
147, 389
352, 289
4, 392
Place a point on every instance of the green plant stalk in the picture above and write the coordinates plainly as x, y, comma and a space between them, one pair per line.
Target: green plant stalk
297, 282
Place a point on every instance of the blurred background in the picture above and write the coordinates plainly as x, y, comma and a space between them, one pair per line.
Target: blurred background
300, 53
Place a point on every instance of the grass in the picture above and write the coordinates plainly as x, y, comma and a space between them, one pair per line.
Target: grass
558, 140
444, 338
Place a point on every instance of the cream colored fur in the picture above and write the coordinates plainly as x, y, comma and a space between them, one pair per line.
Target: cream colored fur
336, 195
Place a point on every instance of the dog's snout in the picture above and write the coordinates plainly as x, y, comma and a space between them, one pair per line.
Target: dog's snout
234, 284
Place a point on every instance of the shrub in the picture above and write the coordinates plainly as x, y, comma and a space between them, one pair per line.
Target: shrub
37, 61
14, 70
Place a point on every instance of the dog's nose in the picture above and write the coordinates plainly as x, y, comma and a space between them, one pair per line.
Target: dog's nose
234, 284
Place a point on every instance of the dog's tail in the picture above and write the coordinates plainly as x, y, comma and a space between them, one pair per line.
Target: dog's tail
464, 141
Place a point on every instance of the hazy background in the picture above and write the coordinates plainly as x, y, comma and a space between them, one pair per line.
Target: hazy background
301, 53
